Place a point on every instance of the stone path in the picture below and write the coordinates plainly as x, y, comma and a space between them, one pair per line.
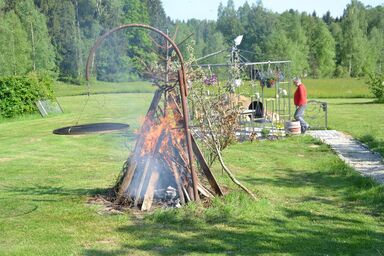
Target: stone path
354, 153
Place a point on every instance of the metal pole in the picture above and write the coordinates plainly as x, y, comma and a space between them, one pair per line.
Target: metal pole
188, 135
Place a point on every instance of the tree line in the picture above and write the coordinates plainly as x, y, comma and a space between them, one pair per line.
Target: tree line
351, 45
55, 37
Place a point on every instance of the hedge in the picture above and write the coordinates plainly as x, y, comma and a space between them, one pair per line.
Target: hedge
18, 94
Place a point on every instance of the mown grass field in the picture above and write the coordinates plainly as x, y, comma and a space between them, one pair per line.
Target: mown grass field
362, 118
97, 87
310, 202
318, 88
337, 88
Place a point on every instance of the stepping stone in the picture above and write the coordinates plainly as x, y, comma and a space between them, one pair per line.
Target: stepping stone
353, 152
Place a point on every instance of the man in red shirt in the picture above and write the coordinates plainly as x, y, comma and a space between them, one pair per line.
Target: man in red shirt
300, 100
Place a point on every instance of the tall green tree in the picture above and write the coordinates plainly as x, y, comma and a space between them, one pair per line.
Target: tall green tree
376, 37
323, 49
34, 23
259, 24
228, 23
15, 50
355, 42
62, 28
337, 34
291, 24
321, 54
156, 13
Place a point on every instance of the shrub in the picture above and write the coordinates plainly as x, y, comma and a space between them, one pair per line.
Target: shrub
18, 94
376, 85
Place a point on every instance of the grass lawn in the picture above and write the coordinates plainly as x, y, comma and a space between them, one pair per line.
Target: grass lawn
97, 87
337, 88
310, 202
362, 118
319, 88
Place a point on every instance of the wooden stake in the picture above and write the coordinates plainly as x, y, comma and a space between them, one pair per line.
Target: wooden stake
207, 171
175, 173
148, 197
127, 178
141, 184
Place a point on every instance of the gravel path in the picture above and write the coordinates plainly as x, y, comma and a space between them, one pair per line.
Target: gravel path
354, 153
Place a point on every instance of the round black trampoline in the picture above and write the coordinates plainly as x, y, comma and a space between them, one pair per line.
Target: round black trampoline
90, 128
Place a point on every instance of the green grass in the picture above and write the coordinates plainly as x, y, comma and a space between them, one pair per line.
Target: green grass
320, 88
362, 118
97, 87
337, 88
310, 202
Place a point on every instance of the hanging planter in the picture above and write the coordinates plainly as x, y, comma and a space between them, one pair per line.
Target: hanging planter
210, 80
270, 82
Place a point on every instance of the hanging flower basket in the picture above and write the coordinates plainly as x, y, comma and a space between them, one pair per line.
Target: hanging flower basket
270, 82
211, 80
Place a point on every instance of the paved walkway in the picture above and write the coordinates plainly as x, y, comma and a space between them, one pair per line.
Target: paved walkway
353, 153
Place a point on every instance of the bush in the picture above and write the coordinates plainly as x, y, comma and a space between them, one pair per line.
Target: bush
376, 85
18, 94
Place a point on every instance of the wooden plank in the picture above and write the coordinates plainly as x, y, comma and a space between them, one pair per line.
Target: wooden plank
207, 171
148, 197
142, 181
205, 192
127, 179
147, 167
175, 173
199, 156
186, 195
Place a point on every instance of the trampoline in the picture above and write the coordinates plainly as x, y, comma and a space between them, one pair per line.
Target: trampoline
90, 128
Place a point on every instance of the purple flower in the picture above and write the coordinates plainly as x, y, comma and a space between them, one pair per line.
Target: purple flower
210, 80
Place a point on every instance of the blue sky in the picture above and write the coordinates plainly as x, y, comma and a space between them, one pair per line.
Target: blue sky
207, 9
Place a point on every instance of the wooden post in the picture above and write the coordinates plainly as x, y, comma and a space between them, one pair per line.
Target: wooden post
184, 93
148, 197
199, 156
207, 171
127, 178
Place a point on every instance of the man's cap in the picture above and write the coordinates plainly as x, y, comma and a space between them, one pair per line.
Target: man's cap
296, 80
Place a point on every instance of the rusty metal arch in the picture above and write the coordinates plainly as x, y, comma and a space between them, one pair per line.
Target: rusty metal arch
144, 26
182, 83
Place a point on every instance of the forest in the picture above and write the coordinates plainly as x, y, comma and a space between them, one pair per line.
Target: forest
54, 37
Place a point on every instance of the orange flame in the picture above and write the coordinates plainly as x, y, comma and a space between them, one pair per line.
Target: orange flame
164, 128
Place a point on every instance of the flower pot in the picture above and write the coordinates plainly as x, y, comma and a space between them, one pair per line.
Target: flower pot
292, 127
270, 83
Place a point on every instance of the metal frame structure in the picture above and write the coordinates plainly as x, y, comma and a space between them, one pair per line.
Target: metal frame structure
279, 106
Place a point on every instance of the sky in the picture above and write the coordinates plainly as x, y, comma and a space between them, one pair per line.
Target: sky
207, 9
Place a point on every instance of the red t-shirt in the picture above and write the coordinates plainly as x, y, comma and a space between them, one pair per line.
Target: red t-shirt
300, 97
